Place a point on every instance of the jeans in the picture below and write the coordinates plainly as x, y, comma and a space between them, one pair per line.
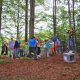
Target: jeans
16, 52
32, 49
21, 53
46, 52
58, 49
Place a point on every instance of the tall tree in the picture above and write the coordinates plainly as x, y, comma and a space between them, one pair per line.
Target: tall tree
32, 16
54, 16
74, 24
73, 16
1, 1
69, 13
18, 23
26, 21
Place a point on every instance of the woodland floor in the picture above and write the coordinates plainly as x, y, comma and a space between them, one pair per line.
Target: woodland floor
52, 68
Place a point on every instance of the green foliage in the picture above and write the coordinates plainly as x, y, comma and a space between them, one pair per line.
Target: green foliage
10, 14
10, 20
44, 34
40, 2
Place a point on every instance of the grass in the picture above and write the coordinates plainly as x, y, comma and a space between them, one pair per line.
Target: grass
3, 61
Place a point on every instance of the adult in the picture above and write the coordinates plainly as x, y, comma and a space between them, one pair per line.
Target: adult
55, 38
31, 44
58, 46
11, 47
71, 32
17, 47
71, 41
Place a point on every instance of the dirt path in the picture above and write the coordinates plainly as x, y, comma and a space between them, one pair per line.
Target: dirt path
52, 68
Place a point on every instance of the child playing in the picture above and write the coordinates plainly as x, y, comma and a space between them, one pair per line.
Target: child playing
38, 48
4, 49
52, 47
46, 48
21, 50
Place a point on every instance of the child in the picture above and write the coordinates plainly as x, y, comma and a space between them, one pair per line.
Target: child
46, 48
52, 47
4, 49
21, 50
38, 48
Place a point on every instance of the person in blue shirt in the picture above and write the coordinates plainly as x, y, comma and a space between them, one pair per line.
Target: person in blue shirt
70, 43
54, 39
31, 44
58, 46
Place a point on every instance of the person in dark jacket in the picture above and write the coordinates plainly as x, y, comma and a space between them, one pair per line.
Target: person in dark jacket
4, 49
17, 47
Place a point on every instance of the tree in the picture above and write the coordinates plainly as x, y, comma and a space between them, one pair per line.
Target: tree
32, 16
74, 24
18, 20
73, 16
1, 1
69, 13
26, 21
54, 16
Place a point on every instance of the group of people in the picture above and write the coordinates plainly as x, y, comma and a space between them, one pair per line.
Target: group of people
14, 48
34, 46
49, 47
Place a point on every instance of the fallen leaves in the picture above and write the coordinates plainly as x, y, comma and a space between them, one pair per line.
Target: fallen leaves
52, 68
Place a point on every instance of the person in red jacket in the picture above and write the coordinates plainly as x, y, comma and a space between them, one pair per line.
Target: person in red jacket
52, 47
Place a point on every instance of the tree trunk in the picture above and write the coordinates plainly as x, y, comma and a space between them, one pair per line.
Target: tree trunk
26, 22
18, 35
73, 16
1, 1
54, 16
32, 16
69, 13
74, 26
